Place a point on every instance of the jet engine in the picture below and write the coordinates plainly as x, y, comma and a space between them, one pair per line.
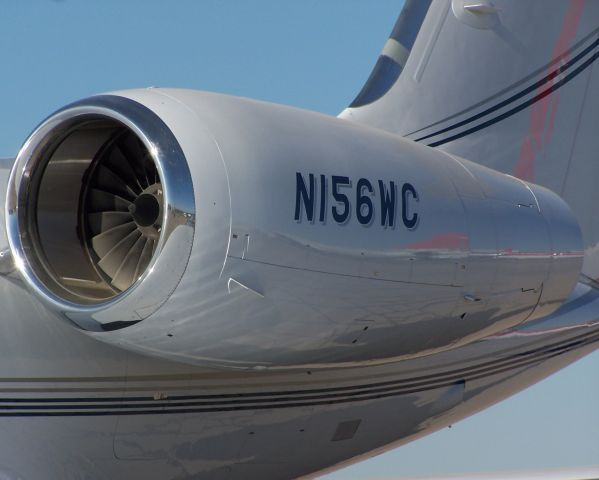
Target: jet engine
233, 233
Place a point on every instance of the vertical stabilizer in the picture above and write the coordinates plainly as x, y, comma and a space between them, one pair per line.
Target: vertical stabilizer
512, 85
395, 53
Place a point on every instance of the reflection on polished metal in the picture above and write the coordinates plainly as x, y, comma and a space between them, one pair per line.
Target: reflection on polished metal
93, 259
7, 264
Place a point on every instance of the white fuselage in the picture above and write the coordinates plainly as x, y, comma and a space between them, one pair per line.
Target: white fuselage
71, 406
278, 346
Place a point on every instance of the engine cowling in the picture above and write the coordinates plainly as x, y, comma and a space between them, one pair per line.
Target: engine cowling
228, 232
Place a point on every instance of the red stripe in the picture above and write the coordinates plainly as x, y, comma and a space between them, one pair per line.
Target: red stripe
543, 113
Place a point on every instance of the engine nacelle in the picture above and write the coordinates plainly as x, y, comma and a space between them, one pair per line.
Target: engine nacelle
234, 233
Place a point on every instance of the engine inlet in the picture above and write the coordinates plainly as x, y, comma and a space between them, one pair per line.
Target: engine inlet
89, 215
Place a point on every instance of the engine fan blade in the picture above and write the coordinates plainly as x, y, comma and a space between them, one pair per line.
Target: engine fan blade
102, 201
102, 221
108, 181
107, 240
132, 148
125, 275
112, 261
117, 161
145, 257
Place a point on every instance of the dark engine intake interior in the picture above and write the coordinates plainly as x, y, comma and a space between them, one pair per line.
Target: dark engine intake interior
95, 211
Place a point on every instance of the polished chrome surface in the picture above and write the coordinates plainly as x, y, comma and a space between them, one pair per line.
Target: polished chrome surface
70, 136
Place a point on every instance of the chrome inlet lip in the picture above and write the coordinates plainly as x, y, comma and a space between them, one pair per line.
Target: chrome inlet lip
174, 245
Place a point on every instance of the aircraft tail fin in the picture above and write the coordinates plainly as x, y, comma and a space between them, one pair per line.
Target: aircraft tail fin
395, 53
511, 85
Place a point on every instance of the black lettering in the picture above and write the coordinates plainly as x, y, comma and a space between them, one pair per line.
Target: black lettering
363, 202
303, 196
405, 190
387, 204
323, 198
337, 182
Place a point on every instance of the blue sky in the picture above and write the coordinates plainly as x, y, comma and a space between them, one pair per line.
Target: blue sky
310, 53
